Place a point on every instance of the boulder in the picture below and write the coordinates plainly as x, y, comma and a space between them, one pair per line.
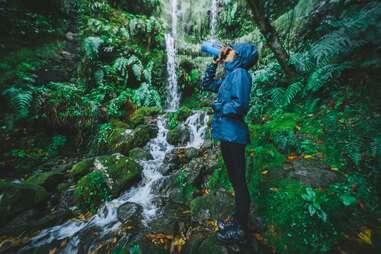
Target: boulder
141, 115
139, 153
111, 174
81, 168
213, 206
18, 197
49, 180
178, 136
129, 211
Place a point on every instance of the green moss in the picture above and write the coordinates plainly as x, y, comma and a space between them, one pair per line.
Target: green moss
138, 116
81, 168
91, 191
123, 171
289, 226
49, 180
17, 197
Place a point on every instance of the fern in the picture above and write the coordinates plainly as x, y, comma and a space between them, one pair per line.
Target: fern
322, 76
92, 45
292, 91
20, 99
277, 96
330, 46
121, 65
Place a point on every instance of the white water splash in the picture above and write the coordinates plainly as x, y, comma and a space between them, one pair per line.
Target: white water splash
197, 124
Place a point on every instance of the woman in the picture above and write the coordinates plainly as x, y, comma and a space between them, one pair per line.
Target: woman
228, 126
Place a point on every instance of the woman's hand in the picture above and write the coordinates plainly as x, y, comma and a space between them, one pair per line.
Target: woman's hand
223, 52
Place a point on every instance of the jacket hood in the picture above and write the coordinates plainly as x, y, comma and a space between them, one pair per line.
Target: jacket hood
247, 56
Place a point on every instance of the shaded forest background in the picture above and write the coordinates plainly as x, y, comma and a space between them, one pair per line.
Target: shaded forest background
74, 74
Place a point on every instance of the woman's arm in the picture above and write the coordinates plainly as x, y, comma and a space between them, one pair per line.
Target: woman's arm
208, 81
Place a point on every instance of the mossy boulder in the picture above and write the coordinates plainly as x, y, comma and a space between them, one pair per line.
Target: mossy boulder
178, 135
139, 153
138, 116
109, 176
119, 138
81, 168
49, 180
18, 197
91, 191
213, 206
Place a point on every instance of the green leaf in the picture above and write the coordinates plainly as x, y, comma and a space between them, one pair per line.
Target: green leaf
348, 199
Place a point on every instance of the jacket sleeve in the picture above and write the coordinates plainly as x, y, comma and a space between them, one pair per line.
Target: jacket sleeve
208, 81
240, 95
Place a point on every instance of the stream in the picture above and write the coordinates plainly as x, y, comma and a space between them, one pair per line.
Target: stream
105, 221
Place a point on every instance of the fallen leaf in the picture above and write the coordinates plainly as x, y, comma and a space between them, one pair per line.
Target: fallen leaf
264, 172
365, 236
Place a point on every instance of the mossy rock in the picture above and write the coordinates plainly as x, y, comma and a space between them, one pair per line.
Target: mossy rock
178, 135
139, 115
111, 175
139, 153
49, 180
123, 171
17, 197
215, 205
91, 191
183, 113
121, 139
81, 168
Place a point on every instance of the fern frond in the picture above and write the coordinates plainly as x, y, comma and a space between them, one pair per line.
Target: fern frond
292, 91
322, 76
20, 99
92, 45
330, 46
277, 96
121, 65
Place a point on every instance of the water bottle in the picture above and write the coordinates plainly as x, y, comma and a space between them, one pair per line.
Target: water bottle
211, 48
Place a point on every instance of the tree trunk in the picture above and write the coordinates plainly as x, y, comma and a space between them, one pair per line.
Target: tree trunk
271, 36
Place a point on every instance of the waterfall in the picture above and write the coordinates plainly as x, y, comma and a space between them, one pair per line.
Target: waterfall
173, 99
213, 21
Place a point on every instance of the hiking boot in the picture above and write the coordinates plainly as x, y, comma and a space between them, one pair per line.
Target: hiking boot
222, 224
233, 234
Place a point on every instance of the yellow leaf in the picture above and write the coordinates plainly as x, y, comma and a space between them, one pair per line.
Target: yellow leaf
365, 236
307, 156
264, 172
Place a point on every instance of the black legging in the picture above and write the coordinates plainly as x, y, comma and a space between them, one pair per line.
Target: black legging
234, 158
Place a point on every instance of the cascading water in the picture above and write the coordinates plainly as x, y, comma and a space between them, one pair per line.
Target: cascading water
213, 20
173, 99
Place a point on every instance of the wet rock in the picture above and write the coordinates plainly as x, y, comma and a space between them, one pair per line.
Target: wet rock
129, 211
311, 172
81, 168
32, 220
179, 156
139, 153
216, 205
178, 136
18, 197
49, 180
111, 175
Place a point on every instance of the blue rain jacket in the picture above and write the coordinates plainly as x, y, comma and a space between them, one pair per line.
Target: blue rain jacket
233, 96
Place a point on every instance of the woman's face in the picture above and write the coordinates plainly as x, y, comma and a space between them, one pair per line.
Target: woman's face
230, 56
